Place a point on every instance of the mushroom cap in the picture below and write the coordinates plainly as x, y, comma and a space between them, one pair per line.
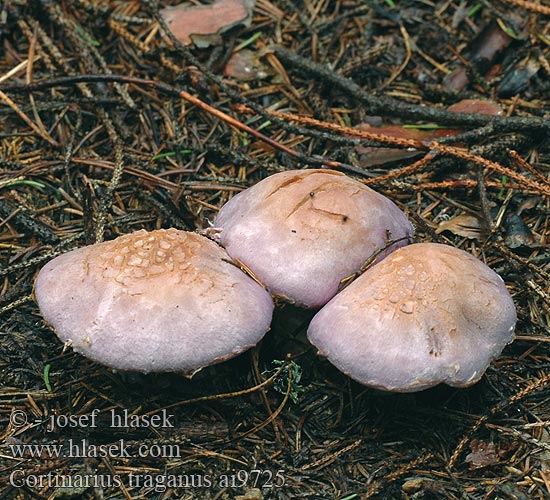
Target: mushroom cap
164, 300
302, 231
428, 314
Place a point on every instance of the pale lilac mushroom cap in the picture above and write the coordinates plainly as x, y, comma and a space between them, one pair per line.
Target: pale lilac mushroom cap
165, 300
428, 314
302, 231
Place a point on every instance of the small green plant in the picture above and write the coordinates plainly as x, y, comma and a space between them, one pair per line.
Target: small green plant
248, 42
281, 382
474, 10
171, 153
46, 377
20, 181
85, 36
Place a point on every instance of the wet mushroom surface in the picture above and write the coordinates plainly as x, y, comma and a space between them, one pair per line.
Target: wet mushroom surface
165, 300
302, 231
428, 314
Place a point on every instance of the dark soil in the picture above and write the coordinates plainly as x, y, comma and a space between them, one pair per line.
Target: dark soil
86, 160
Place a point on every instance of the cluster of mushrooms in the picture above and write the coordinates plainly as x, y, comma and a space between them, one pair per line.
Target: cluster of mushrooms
170, 300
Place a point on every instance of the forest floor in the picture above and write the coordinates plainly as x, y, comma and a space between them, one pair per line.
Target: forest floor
92, 158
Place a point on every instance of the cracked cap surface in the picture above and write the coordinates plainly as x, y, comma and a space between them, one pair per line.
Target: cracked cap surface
428, 314
165, 300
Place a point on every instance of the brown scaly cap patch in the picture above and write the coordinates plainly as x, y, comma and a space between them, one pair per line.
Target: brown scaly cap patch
164, 300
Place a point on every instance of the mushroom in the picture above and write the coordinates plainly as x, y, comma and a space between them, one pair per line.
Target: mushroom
301, 232
165, 300
428, 314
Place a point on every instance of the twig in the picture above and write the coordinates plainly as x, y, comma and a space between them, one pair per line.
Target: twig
27, 120
527, 166
465, 155
530, 388
532, 6
409, 169
387, 106
406, 60
172, 91
361, 134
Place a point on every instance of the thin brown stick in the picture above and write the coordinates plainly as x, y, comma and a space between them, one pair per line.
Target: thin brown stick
352, 132
530, 388
532, 6
27, 120
409, 169
527, 166
168, 89
406, 60
491, 165
226, 395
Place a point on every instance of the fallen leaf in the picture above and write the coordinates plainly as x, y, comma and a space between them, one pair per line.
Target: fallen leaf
470, 106
483, 107
464, 225
245, 65
371, 156
480, 54
203, 24
484, 453
518, 233
517, 78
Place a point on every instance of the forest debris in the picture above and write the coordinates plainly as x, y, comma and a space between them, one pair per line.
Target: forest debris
371, 156
374, 155
245, 65
481, 106
518, 233
544, 455
203, 24
517, 78
527, 204
480, 55
398, 131
251, 494
484, 454
422, 485
80, 483
467, 226
183, 190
